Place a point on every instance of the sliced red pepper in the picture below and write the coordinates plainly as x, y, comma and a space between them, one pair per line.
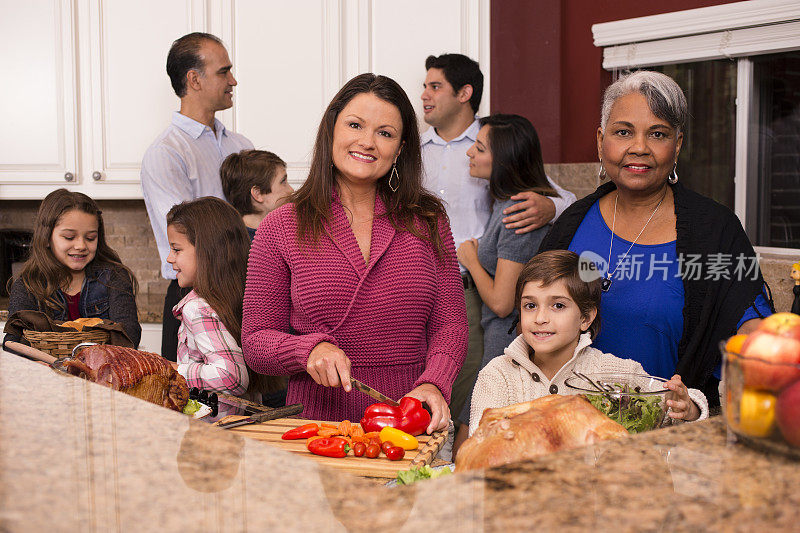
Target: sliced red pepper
329, 447
301, 432
409, 416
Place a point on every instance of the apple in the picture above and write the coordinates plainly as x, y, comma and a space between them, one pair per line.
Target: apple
783, 324
787, 413
771, 351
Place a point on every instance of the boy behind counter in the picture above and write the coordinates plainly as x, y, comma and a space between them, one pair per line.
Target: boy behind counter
255, 183
559, 316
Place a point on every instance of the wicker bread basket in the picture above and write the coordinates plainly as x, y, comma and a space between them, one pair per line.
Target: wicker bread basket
61, 343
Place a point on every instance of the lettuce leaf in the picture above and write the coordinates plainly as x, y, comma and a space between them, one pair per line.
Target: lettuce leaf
635, 413
192, 406
412, 475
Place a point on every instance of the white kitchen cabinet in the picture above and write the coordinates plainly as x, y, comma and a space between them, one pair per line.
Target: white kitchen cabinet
126, 96
291, 58
88, 90
38, 143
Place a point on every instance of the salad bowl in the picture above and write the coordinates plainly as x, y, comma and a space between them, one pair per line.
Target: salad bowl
636, 401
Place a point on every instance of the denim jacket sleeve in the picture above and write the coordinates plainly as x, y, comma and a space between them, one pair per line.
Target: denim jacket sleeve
19, 299
122, 305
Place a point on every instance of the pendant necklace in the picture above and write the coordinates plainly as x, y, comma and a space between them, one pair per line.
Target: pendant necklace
605, 282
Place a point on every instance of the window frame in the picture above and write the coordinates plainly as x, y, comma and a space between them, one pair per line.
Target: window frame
734, 31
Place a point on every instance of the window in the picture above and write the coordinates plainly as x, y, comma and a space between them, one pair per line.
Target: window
707, 163
776, 120
739, 65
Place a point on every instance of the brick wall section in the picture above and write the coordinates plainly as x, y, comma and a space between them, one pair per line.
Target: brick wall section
130, 234
128, 231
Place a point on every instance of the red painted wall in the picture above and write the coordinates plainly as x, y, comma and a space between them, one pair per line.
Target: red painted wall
546, 67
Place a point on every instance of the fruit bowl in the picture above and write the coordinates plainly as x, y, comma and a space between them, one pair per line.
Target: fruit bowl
761, 402
636, 401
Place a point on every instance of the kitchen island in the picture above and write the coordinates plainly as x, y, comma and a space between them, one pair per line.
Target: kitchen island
75, 456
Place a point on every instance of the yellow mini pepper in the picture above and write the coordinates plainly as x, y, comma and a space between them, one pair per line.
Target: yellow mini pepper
398, 438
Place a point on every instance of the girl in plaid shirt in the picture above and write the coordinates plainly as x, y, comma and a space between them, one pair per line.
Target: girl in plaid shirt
208, 250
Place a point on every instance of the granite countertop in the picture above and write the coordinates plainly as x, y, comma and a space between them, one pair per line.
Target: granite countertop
149, 305
75, 456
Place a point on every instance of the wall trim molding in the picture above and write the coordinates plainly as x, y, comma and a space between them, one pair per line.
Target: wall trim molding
718, 45
695, 21
717, 32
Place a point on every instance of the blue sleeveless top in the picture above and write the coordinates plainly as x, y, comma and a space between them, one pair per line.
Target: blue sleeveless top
642, 313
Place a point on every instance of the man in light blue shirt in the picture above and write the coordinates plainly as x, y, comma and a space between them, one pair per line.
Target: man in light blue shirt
452, 94
183, 162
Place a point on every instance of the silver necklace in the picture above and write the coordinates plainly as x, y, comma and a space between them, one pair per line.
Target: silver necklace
605, 283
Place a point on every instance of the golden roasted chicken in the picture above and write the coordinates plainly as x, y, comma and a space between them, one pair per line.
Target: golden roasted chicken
529, 429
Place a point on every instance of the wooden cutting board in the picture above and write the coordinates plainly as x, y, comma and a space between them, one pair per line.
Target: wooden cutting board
381, 467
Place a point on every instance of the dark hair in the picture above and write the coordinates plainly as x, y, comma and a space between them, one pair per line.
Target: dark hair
43, 275
242, 171
222, 246
516, 157
183, 56
408, 207
553, 265
459, 70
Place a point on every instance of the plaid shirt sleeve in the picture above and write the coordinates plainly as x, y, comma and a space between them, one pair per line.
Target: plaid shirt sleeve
215, 360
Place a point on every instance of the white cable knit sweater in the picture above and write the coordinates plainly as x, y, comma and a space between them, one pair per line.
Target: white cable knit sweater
514, 378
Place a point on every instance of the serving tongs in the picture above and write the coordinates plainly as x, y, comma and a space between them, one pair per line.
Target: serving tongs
600, 388
605, 391
56, 363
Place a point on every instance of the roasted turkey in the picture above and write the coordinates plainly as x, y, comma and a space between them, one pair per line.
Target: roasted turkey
529, 429
145, 375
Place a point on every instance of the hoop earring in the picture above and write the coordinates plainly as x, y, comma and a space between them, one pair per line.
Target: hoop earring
394, 175
601, 174
673, 176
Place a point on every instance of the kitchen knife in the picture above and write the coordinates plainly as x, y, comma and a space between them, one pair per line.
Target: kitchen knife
272, 414
245, 405
369, 391
17, 348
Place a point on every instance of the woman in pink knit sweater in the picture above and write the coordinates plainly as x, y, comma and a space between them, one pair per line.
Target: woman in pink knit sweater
357, 274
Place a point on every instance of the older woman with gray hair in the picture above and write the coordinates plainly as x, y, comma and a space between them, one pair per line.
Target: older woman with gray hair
679, 273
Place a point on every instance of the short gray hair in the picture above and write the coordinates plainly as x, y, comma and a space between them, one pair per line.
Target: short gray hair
663, 95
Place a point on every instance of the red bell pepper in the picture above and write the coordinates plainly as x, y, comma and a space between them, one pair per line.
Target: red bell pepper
409, 416
329, 447
301, 432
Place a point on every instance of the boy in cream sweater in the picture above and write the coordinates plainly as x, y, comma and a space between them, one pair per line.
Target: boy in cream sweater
558, 316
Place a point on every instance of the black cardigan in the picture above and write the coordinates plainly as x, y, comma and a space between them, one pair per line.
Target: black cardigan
711, 308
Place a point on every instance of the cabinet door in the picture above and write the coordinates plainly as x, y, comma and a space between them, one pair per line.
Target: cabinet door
290, 58
395, 38
37, 96
286, 58
128, 99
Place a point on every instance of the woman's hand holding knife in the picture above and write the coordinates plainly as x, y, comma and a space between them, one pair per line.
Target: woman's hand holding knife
329, 366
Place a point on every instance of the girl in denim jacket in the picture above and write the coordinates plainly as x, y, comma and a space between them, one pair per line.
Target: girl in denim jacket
72, 272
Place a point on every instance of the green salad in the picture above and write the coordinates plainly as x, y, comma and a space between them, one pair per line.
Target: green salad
407, 477
192, 406
635, 413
